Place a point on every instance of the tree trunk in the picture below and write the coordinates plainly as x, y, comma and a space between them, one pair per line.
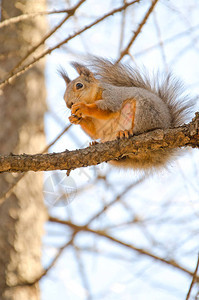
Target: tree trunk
22, 105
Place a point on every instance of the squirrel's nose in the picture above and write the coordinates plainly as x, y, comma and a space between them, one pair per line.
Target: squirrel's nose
69, 104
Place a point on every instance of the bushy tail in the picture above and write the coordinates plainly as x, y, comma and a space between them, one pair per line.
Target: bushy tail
167, 87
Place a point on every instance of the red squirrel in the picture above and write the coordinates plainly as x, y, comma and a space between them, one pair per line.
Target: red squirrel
116, 101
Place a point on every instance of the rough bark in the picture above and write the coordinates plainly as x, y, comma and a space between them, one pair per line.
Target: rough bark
21, 118
186, 135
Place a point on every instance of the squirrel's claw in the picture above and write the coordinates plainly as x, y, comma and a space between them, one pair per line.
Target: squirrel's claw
124, 134
93, 143
74, 119
78, 109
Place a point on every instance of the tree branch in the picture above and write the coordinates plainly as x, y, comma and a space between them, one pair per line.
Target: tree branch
137, 32
194, 279
70, 12
141, 251
65, 41
26, 16
186, 135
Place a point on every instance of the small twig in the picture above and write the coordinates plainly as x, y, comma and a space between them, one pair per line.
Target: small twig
116, 199
7, 193
25, 16
137, 32
51, 265
168, 40
161, 44
70, 12
194, 279
70, 37
121, 243
123, 23
57, 138
82, 272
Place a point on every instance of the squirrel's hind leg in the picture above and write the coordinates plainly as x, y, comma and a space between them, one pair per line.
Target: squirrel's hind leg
93, 143
124, 134
127, 118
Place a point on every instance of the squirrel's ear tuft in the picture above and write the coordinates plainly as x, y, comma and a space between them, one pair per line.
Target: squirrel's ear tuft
64, 75
82, 69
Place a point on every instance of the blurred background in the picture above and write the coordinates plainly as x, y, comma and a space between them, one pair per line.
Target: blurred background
109, 233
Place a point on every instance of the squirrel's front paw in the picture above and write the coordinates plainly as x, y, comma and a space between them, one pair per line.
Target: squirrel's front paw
74, 119
79, 109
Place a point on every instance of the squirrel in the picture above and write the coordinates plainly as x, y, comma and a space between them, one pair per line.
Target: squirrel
113, 100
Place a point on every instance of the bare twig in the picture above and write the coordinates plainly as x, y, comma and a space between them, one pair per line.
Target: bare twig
116, 200
23, 17
168, 40
51, 265
7, 193
161, 44
48, 51
194, 279
56, 139
123, 21
137, 32
70, 12
82, 272
141, 251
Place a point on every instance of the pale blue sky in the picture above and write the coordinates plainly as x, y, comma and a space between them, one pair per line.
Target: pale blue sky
163, 200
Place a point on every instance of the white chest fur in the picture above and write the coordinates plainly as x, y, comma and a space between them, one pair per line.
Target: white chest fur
107, 129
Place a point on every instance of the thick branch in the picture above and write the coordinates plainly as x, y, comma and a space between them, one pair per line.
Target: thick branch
186, 135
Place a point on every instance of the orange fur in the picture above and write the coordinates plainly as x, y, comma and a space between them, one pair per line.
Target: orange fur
84, 115
91, 110
89, 127
155, 105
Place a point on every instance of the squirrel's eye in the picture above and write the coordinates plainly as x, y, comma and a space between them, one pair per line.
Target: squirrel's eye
79, 85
